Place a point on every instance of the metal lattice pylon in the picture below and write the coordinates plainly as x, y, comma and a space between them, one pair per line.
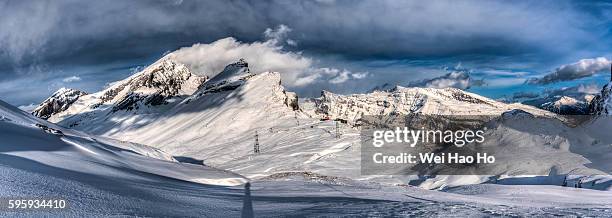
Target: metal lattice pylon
256, 145
337, 130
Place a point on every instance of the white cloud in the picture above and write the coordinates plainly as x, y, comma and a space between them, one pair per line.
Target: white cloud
308, 79
328, 75
279, 35
580, 69
291, 42
71, 79
209, 59
340, 78
360, 75
455, 79
296, 70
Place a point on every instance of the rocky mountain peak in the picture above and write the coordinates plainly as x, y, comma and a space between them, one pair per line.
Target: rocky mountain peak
164, 79
602, 103
231, 72
565, 105
239, 64
232, 76
58, 102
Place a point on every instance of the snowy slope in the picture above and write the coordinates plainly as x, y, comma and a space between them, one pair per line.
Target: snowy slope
214, 116
10, 114
23, 137
101, 176
98, 178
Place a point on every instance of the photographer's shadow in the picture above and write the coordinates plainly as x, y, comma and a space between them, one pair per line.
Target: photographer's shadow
247, 204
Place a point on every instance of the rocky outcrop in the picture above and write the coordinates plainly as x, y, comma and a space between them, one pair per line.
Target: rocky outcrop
153, 86
58, 102
602, 103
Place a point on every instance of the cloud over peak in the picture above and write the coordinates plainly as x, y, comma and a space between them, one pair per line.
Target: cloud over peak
296, 69
211, 58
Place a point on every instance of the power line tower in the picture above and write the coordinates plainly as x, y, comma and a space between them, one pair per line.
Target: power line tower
337, 129
256, 145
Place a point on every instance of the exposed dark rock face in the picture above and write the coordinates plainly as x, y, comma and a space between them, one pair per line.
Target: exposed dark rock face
161, 81
291, 100
601, 104
58, 102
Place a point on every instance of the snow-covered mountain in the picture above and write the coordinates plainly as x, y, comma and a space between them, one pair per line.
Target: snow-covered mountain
162, 83
566, 105
165, 103
58, 102
403, 101
220, 120
103, 177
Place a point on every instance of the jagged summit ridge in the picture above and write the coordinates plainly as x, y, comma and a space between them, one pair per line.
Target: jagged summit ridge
237, 69
231, 74
153, 86
157, 84
58, 102
602, 103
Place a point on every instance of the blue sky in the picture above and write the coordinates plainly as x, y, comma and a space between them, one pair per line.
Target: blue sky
342, 46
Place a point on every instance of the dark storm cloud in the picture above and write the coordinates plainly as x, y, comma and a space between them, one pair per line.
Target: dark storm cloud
34, 30
42, 41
